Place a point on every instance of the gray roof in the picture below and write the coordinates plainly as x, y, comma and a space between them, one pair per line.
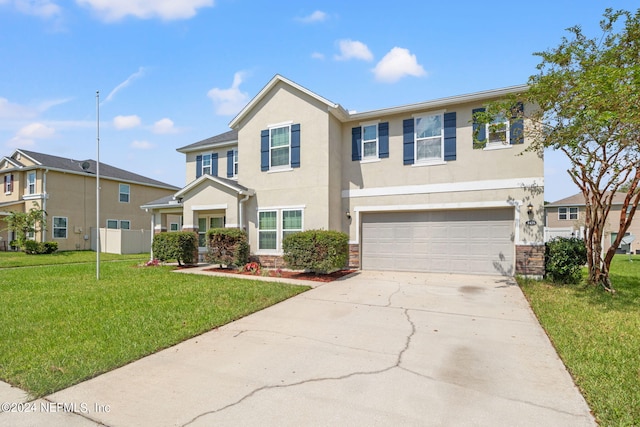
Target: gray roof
106, 171
578, 200
221, 139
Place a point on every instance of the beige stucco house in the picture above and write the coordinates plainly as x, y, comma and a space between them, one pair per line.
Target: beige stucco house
407, 184
566, 217
66, 190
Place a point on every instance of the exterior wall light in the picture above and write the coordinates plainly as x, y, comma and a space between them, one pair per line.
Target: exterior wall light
529, 208
348, 214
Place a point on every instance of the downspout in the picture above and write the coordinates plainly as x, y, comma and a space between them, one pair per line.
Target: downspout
153, 230
241, 213
43, 233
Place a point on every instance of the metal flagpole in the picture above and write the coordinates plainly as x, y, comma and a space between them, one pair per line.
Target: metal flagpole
98, 185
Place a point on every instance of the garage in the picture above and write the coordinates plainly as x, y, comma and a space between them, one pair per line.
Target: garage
478, 241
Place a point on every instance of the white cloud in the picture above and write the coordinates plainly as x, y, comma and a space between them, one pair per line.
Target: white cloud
167, 10
40, 8
164, 126
45, 105
142, 145
396, 64
36, 131
350, 49
317, 55
9, 110
317, 16
124, 84
126, 122
229, 101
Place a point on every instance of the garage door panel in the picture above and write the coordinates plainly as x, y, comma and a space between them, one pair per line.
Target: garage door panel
464, 241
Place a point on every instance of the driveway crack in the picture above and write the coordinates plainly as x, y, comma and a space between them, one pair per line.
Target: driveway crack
315, 380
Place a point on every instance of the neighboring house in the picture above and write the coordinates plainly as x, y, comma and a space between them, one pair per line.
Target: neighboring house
568, 213
407, 184
66, 190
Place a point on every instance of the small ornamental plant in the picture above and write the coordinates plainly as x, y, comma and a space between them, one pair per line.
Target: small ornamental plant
252, 267
152, 263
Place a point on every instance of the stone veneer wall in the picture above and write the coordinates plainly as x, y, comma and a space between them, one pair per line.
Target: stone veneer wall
354, 255
530, 260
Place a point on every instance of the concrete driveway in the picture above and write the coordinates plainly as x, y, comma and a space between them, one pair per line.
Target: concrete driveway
373, 349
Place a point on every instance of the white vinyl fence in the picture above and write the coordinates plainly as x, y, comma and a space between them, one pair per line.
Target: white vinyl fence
122, 241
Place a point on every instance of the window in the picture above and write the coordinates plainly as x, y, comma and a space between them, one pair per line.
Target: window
125, 224
8, 183
31, 183
268, 230
206, 164
59, 227
112, 224
125, 192
279, 145
429, 138
271, 231
498, 130
235, 163
370, 142
173, 226
212, 222
568, 213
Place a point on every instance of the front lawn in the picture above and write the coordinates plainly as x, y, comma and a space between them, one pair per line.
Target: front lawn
20, 259
61, 326
597, 335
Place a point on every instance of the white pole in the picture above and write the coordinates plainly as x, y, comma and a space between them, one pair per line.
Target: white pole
98, 185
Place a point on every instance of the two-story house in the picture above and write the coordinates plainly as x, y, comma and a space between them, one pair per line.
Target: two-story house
66, 190
411, 185
566, 217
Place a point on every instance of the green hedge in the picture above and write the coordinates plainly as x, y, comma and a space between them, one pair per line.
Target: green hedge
319, 251
564, 259
32, 247
227, 246
181, 246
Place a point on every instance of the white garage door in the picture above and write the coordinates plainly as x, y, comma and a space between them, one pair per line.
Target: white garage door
460, 241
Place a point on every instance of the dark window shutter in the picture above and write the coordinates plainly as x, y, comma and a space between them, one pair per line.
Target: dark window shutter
230, 164
264, 150
516, 127
214, 164
295, 146
479, 130
198, 166
450, 136
356, 143
407, 141
6, 183
383, 140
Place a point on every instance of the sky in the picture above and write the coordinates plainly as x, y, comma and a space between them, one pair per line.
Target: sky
170, 73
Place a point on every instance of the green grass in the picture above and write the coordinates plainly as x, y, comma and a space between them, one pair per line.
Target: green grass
20, 259
597, 335
61, 326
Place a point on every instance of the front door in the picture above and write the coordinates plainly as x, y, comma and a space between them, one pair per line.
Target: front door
205, 223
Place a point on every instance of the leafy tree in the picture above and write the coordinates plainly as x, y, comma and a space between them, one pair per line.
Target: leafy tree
25, 223
587, 93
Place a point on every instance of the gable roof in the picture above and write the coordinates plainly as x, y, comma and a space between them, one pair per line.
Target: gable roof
578, 200
221, 140
229, 183
76, 166
332, 107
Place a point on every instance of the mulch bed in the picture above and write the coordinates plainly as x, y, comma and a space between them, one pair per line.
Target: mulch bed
286, 274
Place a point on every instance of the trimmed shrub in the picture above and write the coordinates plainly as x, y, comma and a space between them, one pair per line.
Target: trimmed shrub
564, 258
227, 246
181, 246
32, 247
319, 251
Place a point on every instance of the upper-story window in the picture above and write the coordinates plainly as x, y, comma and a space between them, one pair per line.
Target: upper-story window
206, 164
501, 131
498, 130
8, 183
370, 142
235, 163
429, 138
280, 147
125, 193
31, 183
568, 213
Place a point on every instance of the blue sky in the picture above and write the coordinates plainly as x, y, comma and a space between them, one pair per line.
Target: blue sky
171, 72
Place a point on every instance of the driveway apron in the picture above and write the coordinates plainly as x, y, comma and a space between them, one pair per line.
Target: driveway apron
376, 348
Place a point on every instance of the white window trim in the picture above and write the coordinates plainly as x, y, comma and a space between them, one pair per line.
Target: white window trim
286, 167
430, 161
567, 213
31, 191
112, 220
120, 224
207, 219
120, 193
498, 144
235, 163
171, 224
375, 157
279, 227
54, 228
207, 156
